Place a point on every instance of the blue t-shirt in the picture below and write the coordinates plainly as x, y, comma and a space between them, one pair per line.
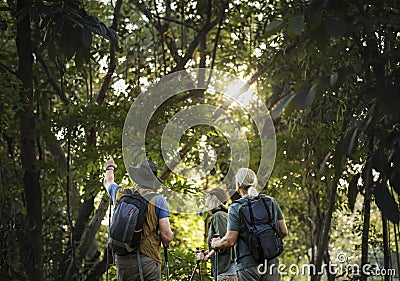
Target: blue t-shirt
244, 259
161, 206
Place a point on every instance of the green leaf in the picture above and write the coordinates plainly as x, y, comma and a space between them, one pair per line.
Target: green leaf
379, 161
315, 12
305, 96
386, 203
334, 78
353, 191
280, 107
348, 141
112, 34
366, 175
324, 82
59, 25
79, 58
395, 180
86, 38
335, 27
3, 25
296, 25
388, 101
319, 36
273, 26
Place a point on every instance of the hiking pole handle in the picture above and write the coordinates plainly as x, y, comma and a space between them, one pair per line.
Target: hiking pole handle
166, 253
166, 262
216, 235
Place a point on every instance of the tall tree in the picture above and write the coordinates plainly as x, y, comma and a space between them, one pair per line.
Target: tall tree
33, 197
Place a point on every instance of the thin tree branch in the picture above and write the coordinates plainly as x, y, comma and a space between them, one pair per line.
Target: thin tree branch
161, 28
6, 68
193, 45
162, 39
52, 80
112, 62
167, 19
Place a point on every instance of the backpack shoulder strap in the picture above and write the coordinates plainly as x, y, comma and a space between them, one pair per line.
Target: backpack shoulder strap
248, 201
241, 201
270, 206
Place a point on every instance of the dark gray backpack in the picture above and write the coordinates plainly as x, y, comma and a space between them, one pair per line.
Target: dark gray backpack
264, 239
127, 223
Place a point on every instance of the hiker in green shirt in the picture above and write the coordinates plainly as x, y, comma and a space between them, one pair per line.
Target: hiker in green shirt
216, 199
246, 266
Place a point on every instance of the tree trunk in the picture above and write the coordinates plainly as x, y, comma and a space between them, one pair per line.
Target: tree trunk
324, 240
84, 215
88, 236
31, 182
365, 233
386, 249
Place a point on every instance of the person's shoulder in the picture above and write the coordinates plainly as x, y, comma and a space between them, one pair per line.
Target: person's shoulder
234, 206
158, 197
159, 201
269, 197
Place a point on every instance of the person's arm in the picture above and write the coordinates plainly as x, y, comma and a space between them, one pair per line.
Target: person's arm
209, 255
281, 221
109, 166
283, 228
229, 240
165, 231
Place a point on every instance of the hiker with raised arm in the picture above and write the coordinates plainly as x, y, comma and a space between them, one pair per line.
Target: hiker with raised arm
145, 214
256, 228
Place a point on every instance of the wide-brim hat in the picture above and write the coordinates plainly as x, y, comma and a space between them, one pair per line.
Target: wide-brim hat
219, 193
145, 174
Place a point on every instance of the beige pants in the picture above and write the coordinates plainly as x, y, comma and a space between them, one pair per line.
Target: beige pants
226, 278
128, 270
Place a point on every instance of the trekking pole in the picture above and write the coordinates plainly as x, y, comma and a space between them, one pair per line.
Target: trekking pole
216, 235
108, 247
166, 262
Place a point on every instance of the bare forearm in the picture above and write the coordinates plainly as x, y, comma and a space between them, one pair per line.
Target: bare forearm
108, 178
109, 166
223, 243
229, 240
165, 231
283, 228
